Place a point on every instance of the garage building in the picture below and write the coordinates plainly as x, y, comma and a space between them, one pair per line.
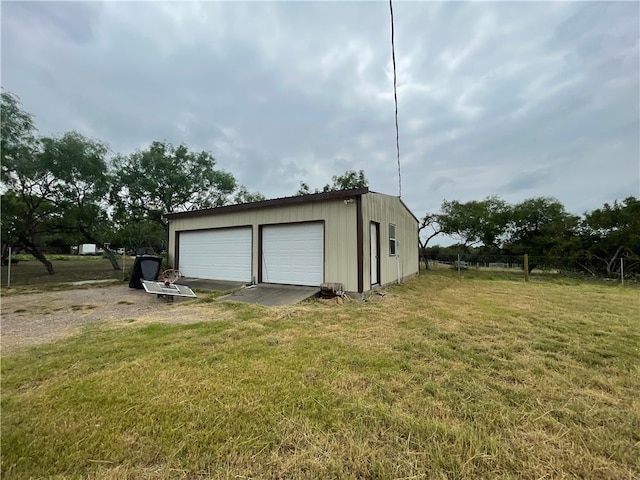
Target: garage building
356, 237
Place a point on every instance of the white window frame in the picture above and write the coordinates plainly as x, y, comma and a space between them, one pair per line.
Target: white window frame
393, 240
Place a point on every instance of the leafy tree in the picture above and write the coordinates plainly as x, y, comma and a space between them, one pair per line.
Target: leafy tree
140, 237
537, 226
244, 196
540, 227
475, 222
26, 222
613, 232
429, 221
165, 179
349, 180
304, 189
26, 211
81, 186
17, 134
471, 223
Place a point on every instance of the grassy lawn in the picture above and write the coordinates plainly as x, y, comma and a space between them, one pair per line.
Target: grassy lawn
30, 274
479, 377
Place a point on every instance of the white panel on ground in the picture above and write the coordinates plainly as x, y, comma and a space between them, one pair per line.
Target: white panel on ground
293, 254
223, 254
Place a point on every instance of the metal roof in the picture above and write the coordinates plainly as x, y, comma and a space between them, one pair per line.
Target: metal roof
274, 202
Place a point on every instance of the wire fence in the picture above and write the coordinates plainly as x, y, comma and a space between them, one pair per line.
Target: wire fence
623, 268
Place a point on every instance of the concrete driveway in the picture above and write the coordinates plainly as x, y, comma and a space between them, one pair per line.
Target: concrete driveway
272, 295
213, 285
264, 294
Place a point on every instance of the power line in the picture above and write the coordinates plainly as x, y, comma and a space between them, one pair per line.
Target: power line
395, 96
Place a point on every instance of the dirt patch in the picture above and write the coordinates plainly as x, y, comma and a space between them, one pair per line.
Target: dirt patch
34, 318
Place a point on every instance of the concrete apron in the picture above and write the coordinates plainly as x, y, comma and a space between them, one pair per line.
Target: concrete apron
212, 285
272, 295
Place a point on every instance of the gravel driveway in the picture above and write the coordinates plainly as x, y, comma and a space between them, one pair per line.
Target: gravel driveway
34, 318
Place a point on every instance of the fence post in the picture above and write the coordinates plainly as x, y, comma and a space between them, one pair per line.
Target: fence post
526, 267
458, 265
622, 271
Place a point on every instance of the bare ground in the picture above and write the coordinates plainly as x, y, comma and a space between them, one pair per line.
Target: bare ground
35, 318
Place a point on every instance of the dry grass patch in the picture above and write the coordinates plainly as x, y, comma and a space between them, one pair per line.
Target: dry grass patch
440, 378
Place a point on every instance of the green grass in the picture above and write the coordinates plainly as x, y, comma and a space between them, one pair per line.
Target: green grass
478, 377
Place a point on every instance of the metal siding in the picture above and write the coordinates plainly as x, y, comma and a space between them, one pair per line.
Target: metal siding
340, 261
386, 209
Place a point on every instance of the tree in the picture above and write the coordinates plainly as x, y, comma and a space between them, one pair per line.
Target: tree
475, 222
244, 196
26, 221
349, 180
539, 227
17, 134
471, 223
613, 232
304, 189
142, 236
81, 187
166, 179
26, 210
432, 221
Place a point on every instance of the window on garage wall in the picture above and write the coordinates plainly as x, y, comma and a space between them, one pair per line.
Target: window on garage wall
392, 239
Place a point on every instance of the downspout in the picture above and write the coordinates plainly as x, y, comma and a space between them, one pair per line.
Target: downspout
398, 263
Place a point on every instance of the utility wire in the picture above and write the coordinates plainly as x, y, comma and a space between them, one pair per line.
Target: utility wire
395, 96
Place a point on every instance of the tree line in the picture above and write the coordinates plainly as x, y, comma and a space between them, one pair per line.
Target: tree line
68, 189
493, 229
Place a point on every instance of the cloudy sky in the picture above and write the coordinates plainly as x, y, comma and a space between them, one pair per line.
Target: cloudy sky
511, 99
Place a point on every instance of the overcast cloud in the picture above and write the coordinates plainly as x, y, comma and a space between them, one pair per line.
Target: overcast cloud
510, 99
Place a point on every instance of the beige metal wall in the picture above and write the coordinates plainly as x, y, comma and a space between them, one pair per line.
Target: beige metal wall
340, 258
386, 209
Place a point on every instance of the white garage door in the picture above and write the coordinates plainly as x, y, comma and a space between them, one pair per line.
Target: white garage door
223, 254
293, 254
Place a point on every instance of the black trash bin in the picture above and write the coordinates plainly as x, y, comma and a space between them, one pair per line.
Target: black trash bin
145, 267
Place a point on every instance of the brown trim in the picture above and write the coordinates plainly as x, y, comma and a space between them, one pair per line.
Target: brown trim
280, 224
227, 227
178, 232
324, 250
379, 247
360, 246
410, 212
275, 202
377, 226
176, 251
259, 280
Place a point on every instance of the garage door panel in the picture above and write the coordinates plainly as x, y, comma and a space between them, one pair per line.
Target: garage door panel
293, 254
223, 254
